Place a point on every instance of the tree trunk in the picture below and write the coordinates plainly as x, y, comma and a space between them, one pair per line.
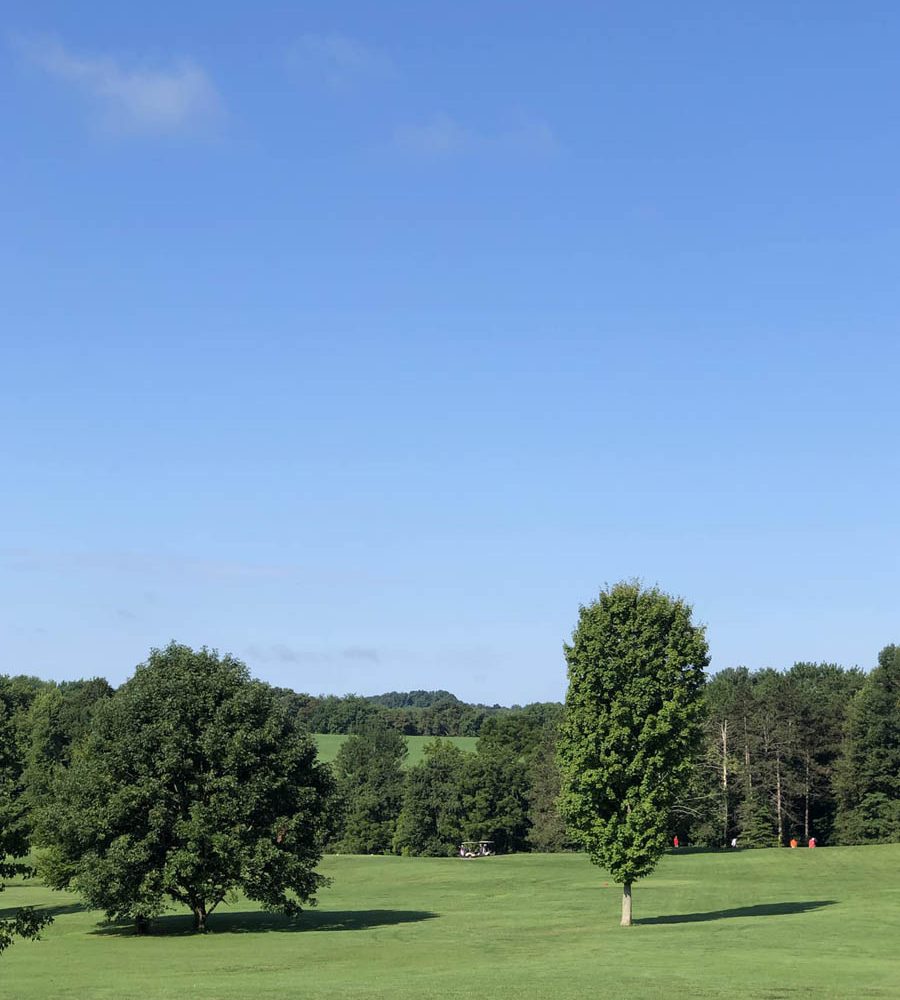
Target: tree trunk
200, 917
141, 925
725, 782
626, 904
747, 756
806, 802
778, 799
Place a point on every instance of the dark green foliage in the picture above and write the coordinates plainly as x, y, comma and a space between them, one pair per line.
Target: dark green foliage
431, 821
754, 823
414, 713
494, 793
868, 780
548, 831
529, 734
59, 716
340, 715
824, 692
519, 733
193, 780
16, 697
770, 748
412, 699
25, 922
632, 725
370, 787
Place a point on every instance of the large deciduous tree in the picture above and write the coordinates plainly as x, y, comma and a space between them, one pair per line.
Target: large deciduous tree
632, 726
25, 922
193, 781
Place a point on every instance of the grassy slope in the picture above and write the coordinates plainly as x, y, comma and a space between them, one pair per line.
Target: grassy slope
762, 924
329, 744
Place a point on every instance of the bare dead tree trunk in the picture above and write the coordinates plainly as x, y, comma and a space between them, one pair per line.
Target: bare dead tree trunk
806, 801
778, 798
724, 731
626, 904
747, 757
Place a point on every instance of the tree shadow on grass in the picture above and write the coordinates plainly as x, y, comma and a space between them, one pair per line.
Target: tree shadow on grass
258, 921
759, 910
52, 911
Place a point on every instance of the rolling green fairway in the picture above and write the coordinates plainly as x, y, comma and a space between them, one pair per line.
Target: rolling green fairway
762, 924
330, 743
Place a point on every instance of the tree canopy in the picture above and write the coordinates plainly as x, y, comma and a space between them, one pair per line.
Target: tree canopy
632, 726
194, 780
25, 922
370, 780
869, 771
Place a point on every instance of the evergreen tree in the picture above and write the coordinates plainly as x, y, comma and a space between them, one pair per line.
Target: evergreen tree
632, 727
868, 778
754, 821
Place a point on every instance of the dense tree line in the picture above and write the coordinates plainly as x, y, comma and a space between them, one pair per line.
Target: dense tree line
810, 751
776, 744
412, 713
504, 792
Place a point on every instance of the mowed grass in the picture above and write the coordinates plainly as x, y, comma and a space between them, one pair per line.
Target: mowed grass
330, 743
762, 924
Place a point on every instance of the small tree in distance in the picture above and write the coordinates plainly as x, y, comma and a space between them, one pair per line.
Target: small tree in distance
632, 727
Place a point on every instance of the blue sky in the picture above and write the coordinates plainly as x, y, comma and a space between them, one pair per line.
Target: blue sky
367, 341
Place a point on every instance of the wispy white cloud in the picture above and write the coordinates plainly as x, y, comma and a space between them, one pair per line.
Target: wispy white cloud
280, 652
142, 564
131, 98
443, 136
361, 653
339, 62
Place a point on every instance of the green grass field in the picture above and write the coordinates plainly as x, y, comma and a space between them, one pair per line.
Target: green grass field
330, 743
763, 924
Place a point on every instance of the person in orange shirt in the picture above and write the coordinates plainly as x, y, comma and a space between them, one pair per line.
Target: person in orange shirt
793, 841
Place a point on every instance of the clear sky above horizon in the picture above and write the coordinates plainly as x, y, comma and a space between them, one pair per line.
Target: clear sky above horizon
367, 341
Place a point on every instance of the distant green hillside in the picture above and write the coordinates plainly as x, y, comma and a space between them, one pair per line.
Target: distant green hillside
329, 744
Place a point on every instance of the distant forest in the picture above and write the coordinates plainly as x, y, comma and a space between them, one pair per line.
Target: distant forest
813, 751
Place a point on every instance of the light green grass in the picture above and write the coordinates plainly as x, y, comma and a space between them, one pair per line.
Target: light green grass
761, 924
330, 743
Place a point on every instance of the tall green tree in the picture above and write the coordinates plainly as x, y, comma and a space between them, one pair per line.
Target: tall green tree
431, 821
369, 771
868, 778
59, 716
824, 692
494, 789
194, 780
632, 727
548, 831
25, 922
